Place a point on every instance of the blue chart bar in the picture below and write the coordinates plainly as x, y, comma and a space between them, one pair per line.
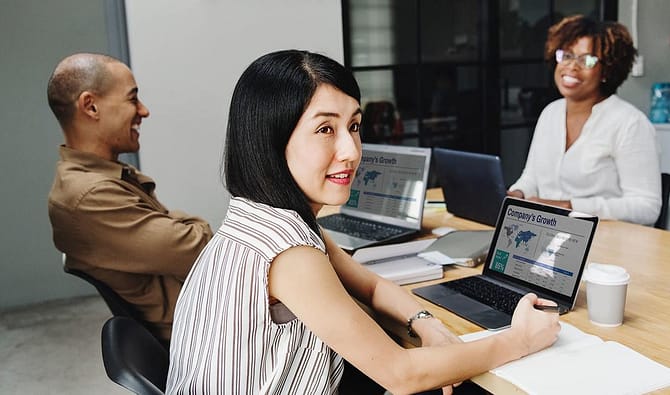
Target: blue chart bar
536, 263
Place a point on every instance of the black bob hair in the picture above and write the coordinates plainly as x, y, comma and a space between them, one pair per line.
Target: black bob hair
267, 103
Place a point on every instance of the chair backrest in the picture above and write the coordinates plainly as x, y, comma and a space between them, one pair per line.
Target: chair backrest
380, 122
665, 193
117, 305
133, 358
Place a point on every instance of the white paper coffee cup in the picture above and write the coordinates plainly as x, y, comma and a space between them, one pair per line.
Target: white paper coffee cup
606, 287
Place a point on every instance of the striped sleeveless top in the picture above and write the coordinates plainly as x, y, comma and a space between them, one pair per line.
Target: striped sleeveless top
226, 338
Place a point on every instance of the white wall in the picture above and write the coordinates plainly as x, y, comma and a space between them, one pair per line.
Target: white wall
653, 43
187, 57
653, 32
34, 36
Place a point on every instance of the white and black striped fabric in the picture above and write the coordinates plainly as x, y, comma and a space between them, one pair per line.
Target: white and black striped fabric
224, 338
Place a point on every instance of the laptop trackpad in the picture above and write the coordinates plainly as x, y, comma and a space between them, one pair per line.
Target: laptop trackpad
470, 309
347, 242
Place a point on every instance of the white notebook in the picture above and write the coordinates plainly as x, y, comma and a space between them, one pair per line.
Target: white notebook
399, 262
580, 363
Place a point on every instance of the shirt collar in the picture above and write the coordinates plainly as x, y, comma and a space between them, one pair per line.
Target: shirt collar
112, 169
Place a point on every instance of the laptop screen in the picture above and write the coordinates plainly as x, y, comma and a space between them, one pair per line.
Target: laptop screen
545, 247
390, 184
472, 184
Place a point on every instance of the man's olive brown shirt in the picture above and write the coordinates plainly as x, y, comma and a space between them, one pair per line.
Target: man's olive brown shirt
107, 220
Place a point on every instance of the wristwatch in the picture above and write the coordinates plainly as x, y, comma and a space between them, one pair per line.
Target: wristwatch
418, 316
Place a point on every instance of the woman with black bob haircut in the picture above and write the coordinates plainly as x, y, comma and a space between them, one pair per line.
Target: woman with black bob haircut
269, 306
592, 151
267, 103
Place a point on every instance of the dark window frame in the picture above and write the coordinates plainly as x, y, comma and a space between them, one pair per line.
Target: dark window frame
489, 66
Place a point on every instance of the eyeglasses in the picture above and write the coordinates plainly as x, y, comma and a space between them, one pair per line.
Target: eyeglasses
586, 60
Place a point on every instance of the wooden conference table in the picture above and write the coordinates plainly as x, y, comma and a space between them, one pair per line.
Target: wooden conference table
643, 251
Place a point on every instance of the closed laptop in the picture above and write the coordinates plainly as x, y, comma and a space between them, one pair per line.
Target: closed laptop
472, 184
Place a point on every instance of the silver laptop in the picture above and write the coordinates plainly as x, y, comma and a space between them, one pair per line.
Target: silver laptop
386, 201
535, 248
472, 184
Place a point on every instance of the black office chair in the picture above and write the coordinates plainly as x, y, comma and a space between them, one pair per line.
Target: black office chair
117, 305
380, 123
665, 193
133, 358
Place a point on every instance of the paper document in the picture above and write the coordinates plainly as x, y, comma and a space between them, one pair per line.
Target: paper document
406, 270
580, 363
371, 254
442, 259
461, 247
421, 260
399, 262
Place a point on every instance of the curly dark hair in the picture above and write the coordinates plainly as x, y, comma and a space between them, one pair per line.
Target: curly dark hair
612, 45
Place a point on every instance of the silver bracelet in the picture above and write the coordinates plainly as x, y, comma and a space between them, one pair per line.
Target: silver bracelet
418, 316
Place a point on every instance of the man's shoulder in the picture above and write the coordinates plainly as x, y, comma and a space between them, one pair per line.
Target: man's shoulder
73, 182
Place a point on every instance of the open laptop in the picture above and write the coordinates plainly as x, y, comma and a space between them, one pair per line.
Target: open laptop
472, 184
535, 248
387, 196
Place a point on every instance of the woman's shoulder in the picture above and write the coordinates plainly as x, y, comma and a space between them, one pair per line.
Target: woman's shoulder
615, 106
558, 103
621, 120
554, 109
552, 115
268, 228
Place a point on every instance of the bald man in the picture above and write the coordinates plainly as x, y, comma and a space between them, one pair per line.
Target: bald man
104, 213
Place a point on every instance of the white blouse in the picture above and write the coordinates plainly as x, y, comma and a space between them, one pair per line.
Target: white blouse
226, 338
612, 170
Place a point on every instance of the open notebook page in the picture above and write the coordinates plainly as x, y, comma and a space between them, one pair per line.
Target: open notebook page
580, 363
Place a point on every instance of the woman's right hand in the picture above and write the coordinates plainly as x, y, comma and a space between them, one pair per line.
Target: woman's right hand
536, 329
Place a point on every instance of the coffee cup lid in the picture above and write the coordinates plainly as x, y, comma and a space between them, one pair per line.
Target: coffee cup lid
601, 273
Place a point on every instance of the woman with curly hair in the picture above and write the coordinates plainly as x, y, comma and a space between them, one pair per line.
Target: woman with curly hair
592, 151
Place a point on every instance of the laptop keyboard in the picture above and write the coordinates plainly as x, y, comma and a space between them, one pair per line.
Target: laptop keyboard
500, 298
360, 228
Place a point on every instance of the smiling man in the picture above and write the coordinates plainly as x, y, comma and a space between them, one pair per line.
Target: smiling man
104, 213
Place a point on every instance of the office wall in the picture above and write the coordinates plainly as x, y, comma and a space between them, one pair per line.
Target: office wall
187, 57
34, 36
653, 32
653, 35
